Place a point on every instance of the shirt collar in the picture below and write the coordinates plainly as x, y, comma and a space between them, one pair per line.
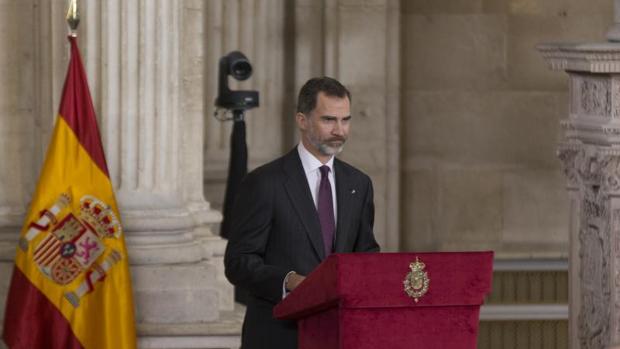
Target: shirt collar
310, 162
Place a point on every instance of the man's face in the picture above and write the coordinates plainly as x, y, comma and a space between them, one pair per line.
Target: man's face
326, 129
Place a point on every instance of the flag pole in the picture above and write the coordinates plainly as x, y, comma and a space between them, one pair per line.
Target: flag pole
73, 17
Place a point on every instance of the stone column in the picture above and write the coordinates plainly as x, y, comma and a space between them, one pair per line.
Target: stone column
358, 42
196, 110
591, 157
26, 112
18, 138
145, 65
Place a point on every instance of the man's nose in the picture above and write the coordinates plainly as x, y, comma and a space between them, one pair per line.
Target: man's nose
338, 129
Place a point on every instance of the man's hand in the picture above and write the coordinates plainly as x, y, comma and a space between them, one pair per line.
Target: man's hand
293, 281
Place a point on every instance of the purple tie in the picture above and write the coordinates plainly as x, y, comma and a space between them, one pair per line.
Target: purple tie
326, 210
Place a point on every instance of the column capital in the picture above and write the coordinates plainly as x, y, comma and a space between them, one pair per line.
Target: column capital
600, 57
589, 165
569, 154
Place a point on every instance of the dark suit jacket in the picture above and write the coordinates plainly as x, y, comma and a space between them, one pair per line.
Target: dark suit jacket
276, 229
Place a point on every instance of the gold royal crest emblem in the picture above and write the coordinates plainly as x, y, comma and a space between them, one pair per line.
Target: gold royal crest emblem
72, 244
417, 281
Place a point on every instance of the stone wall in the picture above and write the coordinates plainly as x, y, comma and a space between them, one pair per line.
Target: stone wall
480, 123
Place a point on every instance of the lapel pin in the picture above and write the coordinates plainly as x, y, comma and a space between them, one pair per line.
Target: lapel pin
352, 191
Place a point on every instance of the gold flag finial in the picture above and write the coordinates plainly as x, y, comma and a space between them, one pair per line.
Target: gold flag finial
73, 16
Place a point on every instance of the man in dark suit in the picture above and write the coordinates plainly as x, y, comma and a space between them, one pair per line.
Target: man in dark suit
293, 212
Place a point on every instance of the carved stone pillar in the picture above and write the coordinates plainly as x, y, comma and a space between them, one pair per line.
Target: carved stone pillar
147, 76
590, 152
194, 108
26, 112
18, 137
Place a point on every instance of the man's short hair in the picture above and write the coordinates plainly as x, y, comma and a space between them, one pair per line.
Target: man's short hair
306, 102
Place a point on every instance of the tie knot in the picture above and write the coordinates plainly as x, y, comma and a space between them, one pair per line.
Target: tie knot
324, 170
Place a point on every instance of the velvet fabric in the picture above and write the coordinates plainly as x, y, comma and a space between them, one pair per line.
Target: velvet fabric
358, 301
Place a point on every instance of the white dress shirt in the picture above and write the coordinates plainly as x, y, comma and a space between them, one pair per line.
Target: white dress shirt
311, 167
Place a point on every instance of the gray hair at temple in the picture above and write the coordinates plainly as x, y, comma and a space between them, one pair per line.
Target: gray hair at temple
306, 102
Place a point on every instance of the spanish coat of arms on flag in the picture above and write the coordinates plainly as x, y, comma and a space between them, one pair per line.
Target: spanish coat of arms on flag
71, 286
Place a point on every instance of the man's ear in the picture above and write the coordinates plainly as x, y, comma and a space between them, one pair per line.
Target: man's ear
301, 121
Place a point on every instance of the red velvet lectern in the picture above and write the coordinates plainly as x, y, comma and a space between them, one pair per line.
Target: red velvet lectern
358, 301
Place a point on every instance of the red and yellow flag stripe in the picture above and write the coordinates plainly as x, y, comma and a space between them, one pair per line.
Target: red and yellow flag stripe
39, 314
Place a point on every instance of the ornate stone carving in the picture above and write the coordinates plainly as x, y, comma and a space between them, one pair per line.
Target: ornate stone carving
595, 172
610, 172
589, 57
568, 156
595, 96
594, 238
591, 160
611, 130
615, 97
584, 129
615, 229
591, 167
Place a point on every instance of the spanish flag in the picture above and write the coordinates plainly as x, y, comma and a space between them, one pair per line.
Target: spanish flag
71, 286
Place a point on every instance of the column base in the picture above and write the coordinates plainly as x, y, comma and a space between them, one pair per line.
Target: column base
225, 333
160, 236
148, 250
8, 245
175, 293
6, 271
163, 294
213, 248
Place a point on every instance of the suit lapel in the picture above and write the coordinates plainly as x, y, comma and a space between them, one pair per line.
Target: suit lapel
344, 194
299, 194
